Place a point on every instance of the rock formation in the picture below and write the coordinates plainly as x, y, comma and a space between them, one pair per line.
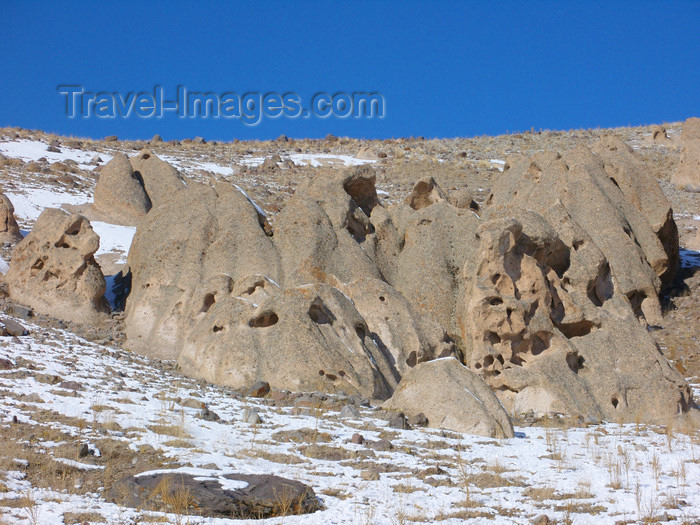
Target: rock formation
160, 179
9, 230
53, 269
687, 175
120, 193
546, 295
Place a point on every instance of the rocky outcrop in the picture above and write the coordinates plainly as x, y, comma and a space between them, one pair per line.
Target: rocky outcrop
554, 186
120, 193
687, 175
452, 397
202, 234
160, 179
550, 335
9, 230
53, 269
540, 295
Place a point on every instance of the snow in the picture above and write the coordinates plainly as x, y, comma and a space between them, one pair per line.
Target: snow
114, 239
312, 159
623, 471
33, 150
30, 204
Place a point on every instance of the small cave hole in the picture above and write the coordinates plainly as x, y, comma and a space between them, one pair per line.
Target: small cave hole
412, 359
488, 360
209, 300
319, 314
331, 377
145, 156
341, 373
217, 328
63, 244
495, 278
360, 331
614, 182
574, 361
382, 298
38, 265
614, 401
496, 301
264, 320
321, 373
493, 338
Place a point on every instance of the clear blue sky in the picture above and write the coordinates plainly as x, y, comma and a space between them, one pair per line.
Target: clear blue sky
445, 69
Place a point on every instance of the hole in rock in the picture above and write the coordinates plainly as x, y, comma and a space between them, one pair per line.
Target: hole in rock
614, 182
488, 360
63, 244
264, 320
574, 361
38, 265
495, 278
318, 312
217, 328
412, 359
381, 298
495, 301
614, 401
360, 331
331, 377
74, 228
493, 338
209, 300
578, 329
321, 373
341, 373
145, 156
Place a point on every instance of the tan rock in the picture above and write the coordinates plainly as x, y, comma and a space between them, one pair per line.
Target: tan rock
201, 233
687, 175
53, 269
452, 397
9, 230
308, 338
160, 179
120, 193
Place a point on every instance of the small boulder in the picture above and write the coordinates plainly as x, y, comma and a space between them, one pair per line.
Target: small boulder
258, 389
160, 179
349, 411
452, 397
399, 421
13, 328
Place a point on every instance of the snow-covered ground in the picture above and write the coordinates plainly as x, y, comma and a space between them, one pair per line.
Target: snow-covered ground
33, 150
600, 474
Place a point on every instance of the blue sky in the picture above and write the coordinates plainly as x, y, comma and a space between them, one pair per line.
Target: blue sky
444, 69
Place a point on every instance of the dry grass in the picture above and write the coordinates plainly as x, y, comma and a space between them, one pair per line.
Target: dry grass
71, 518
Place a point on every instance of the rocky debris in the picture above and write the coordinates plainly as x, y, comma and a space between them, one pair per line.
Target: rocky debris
156, 139
452, 397
9, 230
110, 138
418, 420
6, 364
120, 192
53, 269
357, 439
160, 179
216, 494
687, 175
